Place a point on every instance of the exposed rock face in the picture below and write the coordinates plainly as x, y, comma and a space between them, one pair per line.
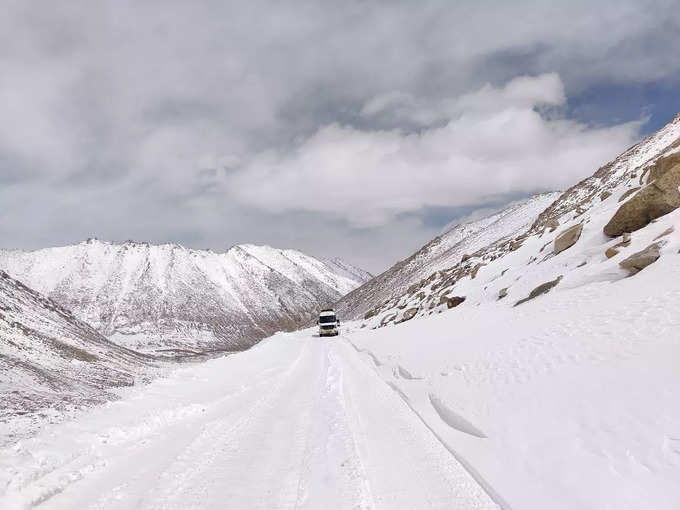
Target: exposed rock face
662, 166
552, 224
568, 238
628, 193
409, 314
658, 198
473, 274
502, 293
454, 301
640, 260
370, 313
541, 289
605, 195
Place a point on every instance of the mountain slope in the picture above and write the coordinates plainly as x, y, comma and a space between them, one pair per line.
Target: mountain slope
443, 252
169, 297
50, 359
524, 265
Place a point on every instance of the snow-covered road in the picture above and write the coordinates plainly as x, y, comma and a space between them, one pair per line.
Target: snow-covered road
296, 422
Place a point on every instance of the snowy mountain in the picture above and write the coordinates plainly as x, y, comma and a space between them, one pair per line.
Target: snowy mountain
443, 252
50, 359
554, 242
167, 297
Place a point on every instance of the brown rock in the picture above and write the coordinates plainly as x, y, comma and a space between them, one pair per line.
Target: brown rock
465, 258
473, 273
611, 252
628, 193
541, 289
605, 195
663, 165
552, 224
408, 315
640, 260
656, 199
454, 301
502, 293
371, 313
568, 238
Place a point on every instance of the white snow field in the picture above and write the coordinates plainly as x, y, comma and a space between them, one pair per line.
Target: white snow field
567, 402
295, 422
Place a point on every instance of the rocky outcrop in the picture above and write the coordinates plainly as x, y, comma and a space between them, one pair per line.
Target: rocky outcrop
541, 289
502, 293
552, 224
662, 166
475, 270
640, 260
605, 195
454, 301
408, 315
656, 199
568, 238
628, 193
611, 252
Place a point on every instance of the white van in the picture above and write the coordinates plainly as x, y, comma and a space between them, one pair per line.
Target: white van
329, 324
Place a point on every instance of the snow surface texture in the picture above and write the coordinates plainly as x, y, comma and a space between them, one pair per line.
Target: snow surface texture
51, 363
295, 422
169, 298
512, 266
567, 402
443, 252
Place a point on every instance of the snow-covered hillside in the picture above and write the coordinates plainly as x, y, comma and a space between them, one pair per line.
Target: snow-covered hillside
629, 191
167, 297
51, 362
443, 252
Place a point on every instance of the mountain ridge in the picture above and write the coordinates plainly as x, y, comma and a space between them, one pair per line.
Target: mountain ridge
157, 297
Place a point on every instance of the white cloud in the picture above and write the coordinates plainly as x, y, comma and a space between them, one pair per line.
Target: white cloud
495, 144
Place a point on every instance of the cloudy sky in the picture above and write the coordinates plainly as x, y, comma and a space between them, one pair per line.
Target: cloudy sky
349, 128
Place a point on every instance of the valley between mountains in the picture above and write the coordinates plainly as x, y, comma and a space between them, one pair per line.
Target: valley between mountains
527, 360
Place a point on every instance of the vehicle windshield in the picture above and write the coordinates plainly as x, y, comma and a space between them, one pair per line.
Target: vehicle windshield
325, 319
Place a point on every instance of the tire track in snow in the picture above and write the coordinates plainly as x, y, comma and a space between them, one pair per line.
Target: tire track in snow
214, 469
409, 466
333, 474
97, 459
